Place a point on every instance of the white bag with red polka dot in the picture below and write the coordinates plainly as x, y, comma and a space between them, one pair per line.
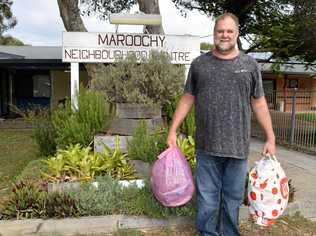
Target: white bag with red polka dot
268, 191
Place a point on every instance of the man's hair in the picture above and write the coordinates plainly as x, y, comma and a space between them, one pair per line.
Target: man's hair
227, 15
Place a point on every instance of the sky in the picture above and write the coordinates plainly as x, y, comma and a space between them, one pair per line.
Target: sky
39, 23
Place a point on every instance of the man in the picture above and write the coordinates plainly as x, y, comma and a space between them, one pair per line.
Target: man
224, 85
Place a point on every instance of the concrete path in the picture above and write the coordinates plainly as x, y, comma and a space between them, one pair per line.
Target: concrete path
299, 167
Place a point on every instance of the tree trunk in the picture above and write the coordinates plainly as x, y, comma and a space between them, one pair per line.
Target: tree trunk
151, 7
70, 14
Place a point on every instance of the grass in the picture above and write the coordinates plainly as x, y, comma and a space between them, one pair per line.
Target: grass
306, 116
17, 150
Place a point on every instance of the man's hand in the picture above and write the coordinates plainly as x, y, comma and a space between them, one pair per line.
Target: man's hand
172, 139
269, 148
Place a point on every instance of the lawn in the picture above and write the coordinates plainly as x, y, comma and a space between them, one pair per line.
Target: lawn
17, 150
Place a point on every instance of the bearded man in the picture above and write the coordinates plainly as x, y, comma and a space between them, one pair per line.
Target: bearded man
224, 84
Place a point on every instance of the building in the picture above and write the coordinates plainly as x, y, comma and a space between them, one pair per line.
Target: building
36, 76
33, 76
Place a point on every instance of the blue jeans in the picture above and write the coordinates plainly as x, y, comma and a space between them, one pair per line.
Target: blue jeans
220, 183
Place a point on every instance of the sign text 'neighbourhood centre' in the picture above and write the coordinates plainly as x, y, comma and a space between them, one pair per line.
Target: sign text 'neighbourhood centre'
107, 47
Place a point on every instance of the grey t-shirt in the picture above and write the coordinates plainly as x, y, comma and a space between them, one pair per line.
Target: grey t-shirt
223, 91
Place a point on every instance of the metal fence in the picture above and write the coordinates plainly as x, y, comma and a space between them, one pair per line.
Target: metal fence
293, 114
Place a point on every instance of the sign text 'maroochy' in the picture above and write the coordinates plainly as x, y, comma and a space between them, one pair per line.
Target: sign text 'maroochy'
131, 40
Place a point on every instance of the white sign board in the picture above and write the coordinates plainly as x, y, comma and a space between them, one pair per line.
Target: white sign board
107, 47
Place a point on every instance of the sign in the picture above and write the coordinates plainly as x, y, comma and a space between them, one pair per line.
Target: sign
108, 47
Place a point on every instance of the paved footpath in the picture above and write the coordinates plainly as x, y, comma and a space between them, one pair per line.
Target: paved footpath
299, 167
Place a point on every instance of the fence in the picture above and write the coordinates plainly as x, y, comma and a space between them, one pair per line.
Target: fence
293, 114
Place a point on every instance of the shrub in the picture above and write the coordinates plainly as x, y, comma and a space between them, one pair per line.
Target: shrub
43, 132
145, 146
60, 205
29, 201
187, 147
110, 198
78, 163
188, 125
92, 116
153, 81
25, 201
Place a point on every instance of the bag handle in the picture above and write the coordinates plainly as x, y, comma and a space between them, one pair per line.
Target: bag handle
271, 157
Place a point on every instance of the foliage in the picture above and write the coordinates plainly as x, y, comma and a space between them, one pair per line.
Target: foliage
187, 147
7, 20
306, 116
92, 116
115, 162
28, 201
60, 205
110, 198
146, 146
284, 27
206, 46
188, 125
65, 126
103, 9
78, 163
9, 40
154, 81
43, 133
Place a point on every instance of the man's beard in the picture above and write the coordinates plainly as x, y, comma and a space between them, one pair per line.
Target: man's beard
225, 47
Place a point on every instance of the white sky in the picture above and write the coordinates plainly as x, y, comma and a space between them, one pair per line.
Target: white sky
39, 23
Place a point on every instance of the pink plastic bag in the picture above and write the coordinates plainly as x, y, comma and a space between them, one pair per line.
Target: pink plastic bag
171, 178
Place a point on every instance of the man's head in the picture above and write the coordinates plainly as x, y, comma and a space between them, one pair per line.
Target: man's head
226, 33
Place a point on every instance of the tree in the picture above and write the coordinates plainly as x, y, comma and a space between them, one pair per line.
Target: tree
9, 40
206, 46
278, 26
7, 20
104, 8
71, 16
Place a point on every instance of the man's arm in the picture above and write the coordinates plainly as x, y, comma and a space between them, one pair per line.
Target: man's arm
183, 107
261, 111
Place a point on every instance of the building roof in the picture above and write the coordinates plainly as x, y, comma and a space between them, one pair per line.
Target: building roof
31, 52
41, 54
9, 56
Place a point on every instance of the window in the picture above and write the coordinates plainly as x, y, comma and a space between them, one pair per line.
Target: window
292, 83
41, 86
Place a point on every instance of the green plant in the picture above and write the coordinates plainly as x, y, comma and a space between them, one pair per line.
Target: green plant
188, 125
60, 205
115, 162
109, 198
151, 81
72, 127
145, 146
43, 132
29, 201
25, 201
187, 147
79, 163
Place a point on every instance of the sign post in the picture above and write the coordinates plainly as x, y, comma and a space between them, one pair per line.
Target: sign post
74, 85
